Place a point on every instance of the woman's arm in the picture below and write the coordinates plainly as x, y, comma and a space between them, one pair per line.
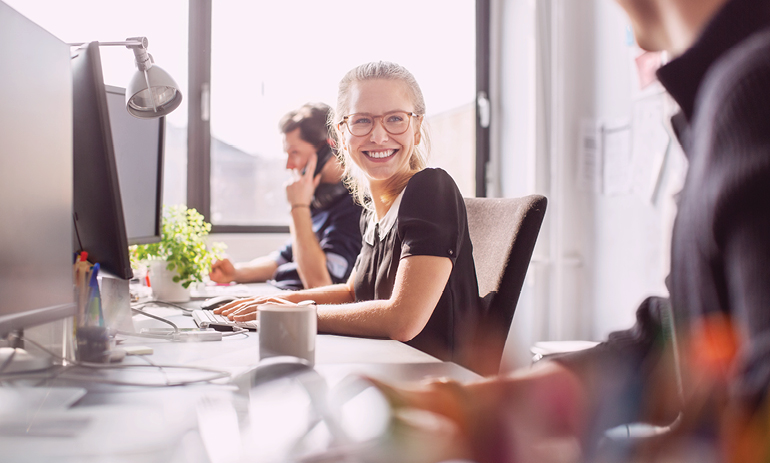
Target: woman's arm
246, 309
420, 281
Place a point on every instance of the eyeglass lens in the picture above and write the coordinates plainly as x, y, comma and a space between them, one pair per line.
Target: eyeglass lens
394, 123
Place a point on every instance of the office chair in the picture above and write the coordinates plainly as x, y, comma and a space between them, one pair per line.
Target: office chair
503, 232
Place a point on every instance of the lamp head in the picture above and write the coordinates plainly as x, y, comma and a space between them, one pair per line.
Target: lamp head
151, 92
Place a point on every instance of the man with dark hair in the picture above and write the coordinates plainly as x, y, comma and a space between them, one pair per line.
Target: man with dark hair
325, 233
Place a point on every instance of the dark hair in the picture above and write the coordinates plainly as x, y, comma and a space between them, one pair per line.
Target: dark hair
311, 120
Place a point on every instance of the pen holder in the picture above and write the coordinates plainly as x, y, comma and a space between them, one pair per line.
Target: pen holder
93, 344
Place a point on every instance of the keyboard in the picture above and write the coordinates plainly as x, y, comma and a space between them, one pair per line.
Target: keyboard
208, 319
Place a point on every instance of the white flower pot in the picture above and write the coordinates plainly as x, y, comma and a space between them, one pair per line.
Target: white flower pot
163, 286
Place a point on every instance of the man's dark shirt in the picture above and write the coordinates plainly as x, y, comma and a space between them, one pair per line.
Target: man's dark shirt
720, 262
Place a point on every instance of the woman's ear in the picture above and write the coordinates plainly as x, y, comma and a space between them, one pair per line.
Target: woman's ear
418, 132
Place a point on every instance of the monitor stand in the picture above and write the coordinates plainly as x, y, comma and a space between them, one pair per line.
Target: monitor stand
116, 303
21, 361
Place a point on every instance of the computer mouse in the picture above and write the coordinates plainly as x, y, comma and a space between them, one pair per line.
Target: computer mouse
273, 368
214, 302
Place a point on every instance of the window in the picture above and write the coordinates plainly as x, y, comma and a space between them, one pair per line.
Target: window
76, 21
268, 58
251, 62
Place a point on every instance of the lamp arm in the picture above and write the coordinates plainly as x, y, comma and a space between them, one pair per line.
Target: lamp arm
137, 44
131, 42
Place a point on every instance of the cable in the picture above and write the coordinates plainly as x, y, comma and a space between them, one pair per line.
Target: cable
170, 304
177, 306
8, 361
236, 331
168, 337
216, 374
140, 310
146, 314
162, 370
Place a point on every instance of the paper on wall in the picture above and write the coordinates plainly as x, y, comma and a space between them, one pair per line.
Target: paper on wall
650, 145
616, 148
590, 163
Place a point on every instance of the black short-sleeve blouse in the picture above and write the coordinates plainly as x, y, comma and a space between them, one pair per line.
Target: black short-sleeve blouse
431, 221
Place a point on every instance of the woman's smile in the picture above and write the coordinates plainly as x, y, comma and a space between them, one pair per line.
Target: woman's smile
380, 155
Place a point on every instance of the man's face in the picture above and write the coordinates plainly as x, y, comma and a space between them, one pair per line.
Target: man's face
298, 151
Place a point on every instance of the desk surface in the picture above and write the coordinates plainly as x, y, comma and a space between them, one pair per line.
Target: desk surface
174, 424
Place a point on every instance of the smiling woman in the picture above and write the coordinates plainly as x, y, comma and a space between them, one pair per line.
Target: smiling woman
415, 279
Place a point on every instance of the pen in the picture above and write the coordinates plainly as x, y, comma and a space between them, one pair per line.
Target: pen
82, 268
94, 298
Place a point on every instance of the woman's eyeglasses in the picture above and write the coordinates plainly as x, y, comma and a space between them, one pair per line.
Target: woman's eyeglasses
395, 123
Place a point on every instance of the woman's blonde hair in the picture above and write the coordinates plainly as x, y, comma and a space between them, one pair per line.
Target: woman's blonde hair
354, 178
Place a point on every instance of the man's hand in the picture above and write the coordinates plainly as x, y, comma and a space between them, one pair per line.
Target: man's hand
300, 189
222, 271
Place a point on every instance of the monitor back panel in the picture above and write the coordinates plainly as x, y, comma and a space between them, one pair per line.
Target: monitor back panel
36, 181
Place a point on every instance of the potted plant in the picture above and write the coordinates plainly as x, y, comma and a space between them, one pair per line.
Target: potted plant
181, 257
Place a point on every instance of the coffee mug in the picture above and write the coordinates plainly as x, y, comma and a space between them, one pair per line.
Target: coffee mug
288, 329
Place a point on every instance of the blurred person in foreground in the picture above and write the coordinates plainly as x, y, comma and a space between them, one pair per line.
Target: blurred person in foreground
325, 236
698, 362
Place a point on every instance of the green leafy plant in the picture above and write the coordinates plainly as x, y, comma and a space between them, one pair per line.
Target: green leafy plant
182, 245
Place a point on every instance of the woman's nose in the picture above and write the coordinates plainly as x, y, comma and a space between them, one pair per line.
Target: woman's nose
379, 134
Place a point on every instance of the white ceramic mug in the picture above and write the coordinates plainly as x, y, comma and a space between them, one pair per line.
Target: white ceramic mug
288, 329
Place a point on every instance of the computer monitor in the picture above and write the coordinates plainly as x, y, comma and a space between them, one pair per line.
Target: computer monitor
138, 145
36, 184
98, 210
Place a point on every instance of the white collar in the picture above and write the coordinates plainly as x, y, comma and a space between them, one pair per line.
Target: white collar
385, 224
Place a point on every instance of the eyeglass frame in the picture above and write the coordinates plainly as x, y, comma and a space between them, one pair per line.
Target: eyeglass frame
380, 117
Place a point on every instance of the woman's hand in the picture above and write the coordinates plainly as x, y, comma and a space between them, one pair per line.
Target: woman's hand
245, 309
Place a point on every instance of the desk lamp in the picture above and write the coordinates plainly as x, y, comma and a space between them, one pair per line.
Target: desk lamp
151, 92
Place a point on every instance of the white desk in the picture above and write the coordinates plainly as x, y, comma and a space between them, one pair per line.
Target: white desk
141, 424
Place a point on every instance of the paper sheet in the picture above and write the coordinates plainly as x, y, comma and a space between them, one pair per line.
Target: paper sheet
616, 147
650, 144
590, 163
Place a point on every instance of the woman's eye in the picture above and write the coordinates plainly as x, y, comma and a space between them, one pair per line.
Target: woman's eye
362, 120
395, 118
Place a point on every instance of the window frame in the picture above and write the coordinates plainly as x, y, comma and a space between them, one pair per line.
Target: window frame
199, 126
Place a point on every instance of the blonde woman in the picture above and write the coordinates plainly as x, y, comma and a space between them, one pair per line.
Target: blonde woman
414, 280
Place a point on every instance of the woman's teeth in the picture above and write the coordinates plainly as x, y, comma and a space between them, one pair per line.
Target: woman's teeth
380, 154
